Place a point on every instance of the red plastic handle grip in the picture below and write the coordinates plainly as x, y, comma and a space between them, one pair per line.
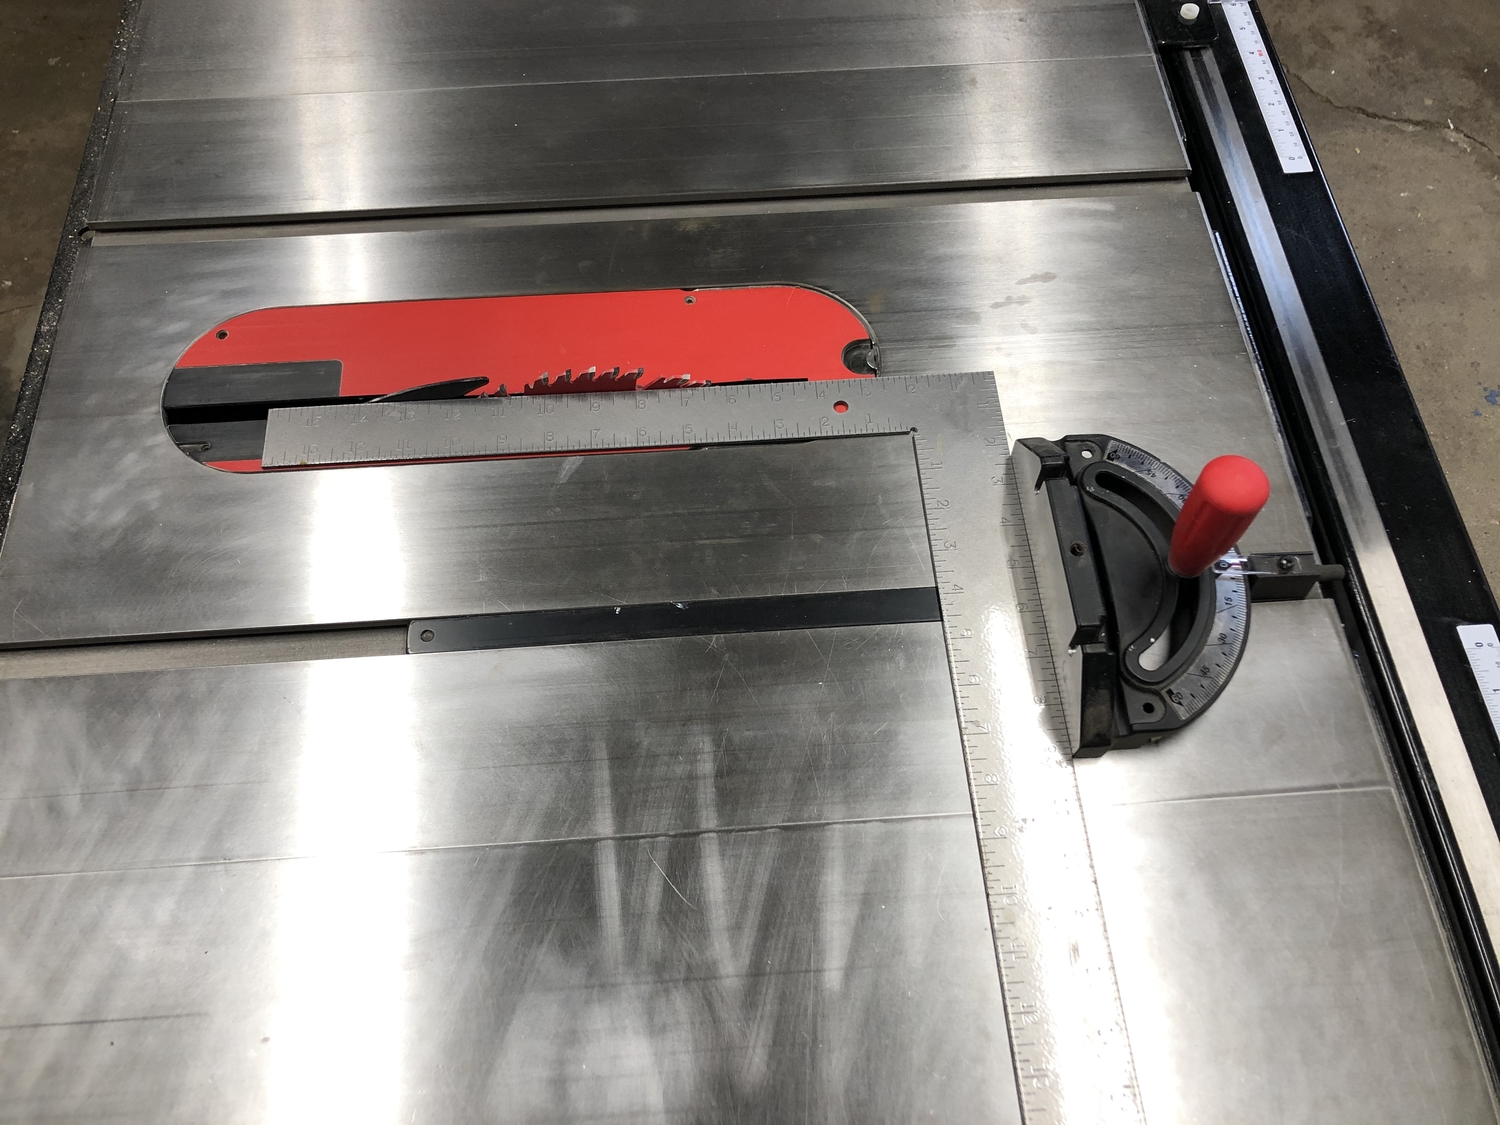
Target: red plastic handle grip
1229, 494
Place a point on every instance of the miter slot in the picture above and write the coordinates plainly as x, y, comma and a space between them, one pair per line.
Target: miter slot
674, 619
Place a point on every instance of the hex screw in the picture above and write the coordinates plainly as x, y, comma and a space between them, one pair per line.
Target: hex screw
1189, 13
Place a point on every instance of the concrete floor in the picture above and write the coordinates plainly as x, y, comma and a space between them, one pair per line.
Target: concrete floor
1402, 98
52, 57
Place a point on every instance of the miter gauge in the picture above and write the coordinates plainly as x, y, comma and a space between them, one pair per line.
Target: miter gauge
1147, 605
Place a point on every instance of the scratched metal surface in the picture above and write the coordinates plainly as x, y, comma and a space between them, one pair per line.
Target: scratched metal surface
1343, 934
432, 888
1103, 313
681, 880
244, 111
1278, 956
668, 880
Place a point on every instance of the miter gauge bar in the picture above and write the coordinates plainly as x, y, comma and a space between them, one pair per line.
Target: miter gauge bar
1071, 1054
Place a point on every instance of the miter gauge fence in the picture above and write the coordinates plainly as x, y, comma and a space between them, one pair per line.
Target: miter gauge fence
1062, 550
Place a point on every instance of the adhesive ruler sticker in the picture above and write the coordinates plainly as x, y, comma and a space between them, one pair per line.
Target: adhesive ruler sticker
1268, 93
1483, 649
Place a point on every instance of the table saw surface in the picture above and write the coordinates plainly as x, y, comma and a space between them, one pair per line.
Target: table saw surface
699, 878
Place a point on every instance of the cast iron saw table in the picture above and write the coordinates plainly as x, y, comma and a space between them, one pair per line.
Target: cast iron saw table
518, 602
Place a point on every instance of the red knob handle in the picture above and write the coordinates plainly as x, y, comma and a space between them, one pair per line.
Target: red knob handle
1229, 494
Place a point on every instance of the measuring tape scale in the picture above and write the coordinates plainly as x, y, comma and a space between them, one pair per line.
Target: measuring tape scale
1274, 108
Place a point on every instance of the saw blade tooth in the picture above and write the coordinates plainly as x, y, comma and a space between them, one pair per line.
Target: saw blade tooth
590, 380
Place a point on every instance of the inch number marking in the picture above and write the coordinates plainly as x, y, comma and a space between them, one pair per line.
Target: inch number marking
1483, 650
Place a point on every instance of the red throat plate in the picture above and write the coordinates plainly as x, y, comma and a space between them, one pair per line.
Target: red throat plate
733, 335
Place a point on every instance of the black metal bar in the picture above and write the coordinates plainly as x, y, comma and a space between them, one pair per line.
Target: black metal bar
674, 619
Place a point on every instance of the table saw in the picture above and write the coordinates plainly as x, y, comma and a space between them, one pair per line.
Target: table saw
635, 562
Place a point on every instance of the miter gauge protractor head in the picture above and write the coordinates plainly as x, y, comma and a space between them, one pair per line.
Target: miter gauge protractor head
1147, 606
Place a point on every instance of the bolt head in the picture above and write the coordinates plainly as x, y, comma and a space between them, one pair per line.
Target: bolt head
1189, 13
